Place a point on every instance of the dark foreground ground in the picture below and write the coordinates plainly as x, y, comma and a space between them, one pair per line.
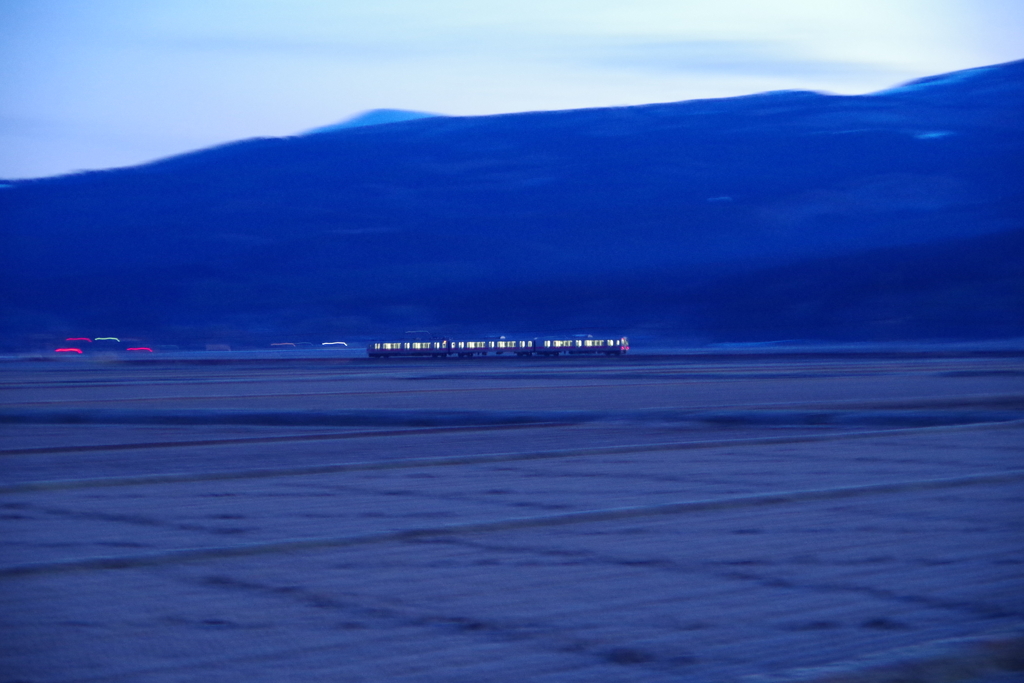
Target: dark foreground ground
747, 517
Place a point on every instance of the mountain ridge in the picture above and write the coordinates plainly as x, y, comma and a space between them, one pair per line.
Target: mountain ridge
381, 224
373, 117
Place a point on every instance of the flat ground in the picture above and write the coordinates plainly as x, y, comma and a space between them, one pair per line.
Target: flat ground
754, 516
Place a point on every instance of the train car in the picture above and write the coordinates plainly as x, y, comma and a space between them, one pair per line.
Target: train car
434, 348
580, 345
463, 348
519, 347
466, 348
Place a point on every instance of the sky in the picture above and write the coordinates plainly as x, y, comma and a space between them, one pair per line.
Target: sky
106, 83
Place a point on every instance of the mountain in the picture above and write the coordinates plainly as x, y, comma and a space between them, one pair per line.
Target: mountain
374, 117
895, 215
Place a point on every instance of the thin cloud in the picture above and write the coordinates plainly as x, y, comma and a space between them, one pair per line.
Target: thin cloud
345, 48
753, 58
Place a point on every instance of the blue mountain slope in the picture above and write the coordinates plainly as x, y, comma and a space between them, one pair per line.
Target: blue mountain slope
375, 117
439, 220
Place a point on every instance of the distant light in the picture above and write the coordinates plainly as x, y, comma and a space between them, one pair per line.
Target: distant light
333, 343
78, 339
107, 339
282, 344
140, 348
67, 350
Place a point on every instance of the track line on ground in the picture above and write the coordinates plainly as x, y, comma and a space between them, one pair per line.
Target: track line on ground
655, 380
183, 555
571, 417
446, 461
982, 657
414, 431
217, 397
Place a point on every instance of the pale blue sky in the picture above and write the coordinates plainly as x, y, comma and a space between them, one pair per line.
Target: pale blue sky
101, 83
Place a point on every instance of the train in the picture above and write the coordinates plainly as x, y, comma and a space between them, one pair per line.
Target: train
463, 348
